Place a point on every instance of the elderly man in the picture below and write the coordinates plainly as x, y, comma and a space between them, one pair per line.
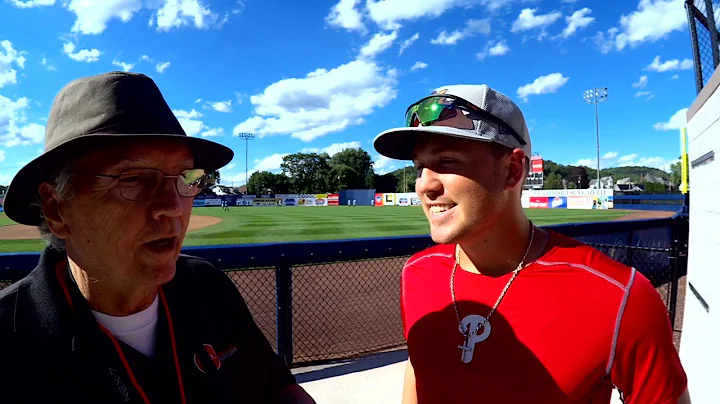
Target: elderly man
501, 311
113, 313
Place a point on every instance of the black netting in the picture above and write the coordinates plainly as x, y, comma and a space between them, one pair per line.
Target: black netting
705, 36
347, 308
257, 286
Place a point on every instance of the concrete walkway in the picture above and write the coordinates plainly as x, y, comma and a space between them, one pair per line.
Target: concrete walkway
375, 379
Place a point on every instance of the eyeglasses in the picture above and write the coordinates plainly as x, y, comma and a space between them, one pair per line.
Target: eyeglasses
143, 184
455, 112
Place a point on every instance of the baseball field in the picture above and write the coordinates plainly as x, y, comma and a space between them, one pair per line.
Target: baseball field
248, 225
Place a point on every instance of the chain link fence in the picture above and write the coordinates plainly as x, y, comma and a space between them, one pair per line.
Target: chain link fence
324, 301
703, 19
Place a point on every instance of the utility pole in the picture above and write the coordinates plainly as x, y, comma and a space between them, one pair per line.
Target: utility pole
595, 96
247, 136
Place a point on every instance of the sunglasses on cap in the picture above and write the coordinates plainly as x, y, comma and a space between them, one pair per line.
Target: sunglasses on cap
455, 112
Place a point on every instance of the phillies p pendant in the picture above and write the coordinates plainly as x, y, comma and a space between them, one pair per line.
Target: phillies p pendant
470, 323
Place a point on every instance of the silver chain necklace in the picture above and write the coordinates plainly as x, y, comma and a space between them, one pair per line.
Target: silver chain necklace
480, 325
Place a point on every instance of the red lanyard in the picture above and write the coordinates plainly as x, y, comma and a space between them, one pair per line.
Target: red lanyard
60, 272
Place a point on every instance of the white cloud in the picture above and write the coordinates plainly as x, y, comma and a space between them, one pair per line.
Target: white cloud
93, 16
677, 121
160, 67
471, 28
32, 3
579, 19
221, 106
587, 162
542, 85
333, 149
675, 76
47, 65
628, 157
8, 58
497, 48
406, 43
190, 121
270, 163
653, 20
145, 58
389, 13
213, 132
647, 94
179, 13
344, 14
14, 127
125, 66
610, 155
527, 20
655, 162
322, 102
83, 55
669, 65
419, 65
641, 83
383, 165
378, 44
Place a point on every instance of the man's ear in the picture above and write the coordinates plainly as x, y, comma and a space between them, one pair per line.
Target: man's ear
50, 206
517, 169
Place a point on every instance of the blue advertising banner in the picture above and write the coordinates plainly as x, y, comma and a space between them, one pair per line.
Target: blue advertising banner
558, 202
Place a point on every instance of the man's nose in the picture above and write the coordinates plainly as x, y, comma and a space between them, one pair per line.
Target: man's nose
167, 201
428, 182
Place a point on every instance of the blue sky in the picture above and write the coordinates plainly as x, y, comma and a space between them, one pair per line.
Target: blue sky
324, 75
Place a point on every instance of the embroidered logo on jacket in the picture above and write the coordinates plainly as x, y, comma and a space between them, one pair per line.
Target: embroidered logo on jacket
215, 358
124, 392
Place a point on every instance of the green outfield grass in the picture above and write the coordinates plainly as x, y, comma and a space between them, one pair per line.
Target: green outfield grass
284, 224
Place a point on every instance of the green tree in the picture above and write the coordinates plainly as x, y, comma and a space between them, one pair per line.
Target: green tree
409, 176
676, 175
571, 185
360, 163
553, 181
385, 183
265, 182
308, 172
343, 177
579, 176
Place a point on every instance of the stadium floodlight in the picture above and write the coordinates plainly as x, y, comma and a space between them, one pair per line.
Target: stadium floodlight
247, 136
595, 96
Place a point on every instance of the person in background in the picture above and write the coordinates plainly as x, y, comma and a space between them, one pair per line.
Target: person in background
502, 311
114, 313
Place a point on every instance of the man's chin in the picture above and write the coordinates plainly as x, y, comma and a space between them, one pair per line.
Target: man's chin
443, 237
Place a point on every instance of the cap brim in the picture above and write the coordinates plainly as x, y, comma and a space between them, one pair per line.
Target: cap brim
399, 143
20, 204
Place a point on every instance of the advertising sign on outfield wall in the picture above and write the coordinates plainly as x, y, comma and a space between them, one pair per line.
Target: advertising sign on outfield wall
267, 202
525, 200
199, 202
321, 200
539, 202
581, 202
558, 202
378, 199
333, 199
244, 200
389, 199
213, 202
407, 199
288, 199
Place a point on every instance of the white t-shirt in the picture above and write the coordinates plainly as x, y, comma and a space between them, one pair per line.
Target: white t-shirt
138, 330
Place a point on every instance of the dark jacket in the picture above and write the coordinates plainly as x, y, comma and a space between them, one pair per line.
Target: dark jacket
54, 353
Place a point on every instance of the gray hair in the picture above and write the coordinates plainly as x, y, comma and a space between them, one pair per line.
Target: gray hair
62, 182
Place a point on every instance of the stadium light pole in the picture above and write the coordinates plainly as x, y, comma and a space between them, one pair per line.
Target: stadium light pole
247, 136
595, 96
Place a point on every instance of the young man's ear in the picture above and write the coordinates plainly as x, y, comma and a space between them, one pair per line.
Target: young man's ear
517, 169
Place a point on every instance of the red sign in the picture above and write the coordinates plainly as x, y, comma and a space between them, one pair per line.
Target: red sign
333, 199
378, 199
540, 202
537, 165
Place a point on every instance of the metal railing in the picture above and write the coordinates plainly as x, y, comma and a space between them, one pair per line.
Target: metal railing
320, 301
703, 18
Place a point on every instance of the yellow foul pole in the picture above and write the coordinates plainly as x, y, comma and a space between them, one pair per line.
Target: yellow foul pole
684, 185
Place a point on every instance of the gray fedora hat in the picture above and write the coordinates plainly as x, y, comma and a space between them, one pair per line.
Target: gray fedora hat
98, 111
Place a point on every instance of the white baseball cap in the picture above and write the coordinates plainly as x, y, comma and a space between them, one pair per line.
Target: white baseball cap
493, 118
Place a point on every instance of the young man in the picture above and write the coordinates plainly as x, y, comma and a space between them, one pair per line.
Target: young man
501, 311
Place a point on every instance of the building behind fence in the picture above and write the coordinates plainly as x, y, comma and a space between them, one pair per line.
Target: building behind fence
320, 301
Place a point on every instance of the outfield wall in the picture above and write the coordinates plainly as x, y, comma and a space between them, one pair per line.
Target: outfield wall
531, 199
